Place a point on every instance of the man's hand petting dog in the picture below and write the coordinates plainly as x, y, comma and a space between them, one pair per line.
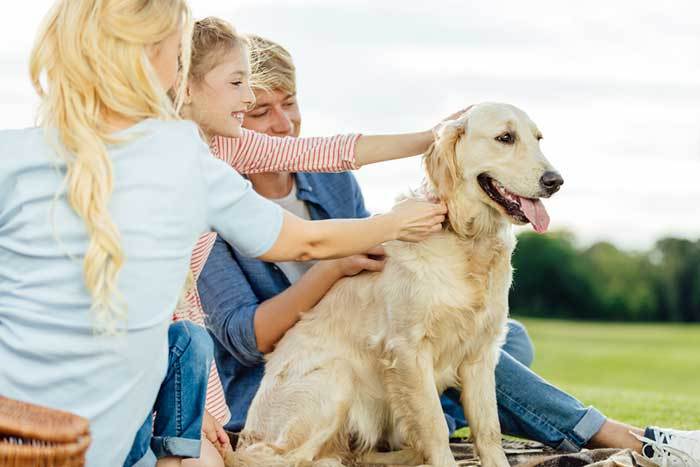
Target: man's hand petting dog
373, 260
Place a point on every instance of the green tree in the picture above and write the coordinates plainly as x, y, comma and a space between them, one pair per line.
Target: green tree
555, 278
550, 280
678, 279
623, 282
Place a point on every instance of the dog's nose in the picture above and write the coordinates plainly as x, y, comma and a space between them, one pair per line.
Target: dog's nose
551, 181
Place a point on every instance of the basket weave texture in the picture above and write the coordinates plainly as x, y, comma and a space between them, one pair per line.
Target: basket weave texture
31, 435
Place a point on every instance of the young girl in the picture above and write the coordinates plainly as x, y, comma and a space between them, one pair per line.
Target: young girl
101, 207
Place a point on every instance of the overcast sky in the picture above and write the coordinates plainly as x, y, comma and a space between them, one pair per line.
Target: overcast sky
614, 85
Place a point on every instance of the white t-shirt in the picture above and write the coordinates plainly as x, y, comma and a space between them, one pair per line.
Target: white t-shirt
168, 190
294, 269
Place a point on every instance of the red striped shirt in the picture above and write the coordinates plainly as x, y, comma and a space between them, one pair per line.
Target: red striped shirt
256, 153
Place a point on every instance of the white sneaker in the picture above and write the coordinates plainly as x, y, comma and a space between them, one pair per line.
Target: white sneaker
671, 448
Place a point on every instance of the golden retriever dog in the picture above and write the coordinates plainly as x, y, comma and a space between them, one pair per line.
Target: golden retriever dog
363, 370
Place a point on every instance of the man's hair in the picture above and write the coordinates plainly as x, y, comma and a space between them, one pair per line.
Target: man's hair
272, 66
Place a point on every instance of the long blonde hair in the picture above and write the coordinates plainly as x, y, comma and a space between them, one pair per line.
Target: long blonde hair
92, 56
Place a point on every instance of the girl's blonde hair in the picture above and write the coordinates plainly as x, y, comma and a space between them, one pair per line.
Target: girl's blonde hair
212, 39
93, 59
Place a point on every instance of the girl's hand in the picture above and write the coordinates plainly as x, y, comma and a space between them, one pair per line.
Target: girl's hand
373, 260
418, 219
212, 429
434, 131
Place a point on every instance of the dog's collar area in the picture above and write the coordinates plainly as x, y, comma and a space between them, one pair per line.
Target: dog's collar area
429, 193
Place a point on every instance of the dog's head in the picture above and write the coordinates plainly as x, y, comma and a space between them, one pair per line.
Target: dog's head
487, 165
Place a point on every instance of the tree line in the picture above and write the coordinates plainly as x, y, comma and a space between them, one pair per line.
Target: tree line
556, 278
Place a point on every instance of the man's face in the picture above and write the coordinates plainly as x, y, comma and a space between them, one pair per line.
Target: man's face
276, 113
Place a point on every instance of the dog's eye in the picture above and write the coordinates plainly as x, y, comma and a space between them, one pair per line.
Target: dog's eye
506, 138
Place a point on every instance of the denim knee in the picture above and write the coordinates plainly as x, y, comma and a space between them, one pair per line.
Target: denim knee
191, 342
180, 404
518, 343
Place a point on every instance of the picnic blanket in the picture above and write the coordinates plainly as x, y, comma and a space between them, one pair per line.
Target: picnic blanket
533, 454
523, 453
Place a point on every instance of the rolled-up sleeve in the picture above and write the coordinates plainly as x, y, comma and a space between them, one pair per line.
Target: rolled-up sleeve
229, 304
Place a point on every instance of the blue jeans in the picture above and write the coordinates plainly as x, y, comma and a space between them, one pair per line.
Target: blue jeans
175, 427
528, 406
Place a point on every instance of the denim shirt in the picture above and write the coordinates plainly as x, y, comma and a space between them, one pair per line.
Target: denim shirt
232, 286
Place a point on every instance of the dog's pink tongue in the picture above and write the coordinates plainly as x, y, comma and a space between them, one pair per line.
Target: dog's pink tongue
536, 213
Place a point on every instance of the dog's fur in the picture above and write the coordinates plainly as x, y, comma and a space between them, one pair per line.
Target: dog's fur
364, 368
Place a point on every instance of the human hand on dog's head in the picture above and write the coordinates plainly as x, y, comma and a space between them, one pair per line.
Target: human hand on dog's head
418, 219
436, 129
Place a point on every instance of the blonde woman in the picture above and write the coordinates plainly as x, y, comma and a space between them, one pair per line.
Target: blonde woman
101, 206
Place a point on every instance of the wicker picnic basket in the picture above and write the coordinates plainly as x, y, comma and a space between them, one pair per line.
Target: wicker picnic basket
36, 436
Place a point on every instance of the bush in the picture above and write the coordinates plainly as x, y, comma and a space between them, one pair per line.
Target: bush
555, 278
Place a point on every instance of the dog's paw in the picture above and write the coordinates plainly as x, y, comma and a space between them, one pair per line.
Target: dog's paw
443, 458
494, 459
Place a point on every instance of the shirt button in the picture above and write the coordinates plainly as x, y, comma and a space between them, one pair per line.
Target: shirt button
311, 188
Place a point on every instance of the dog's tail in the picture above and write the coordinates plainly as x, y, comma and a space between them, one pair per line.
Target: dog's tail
256, 455
260, 454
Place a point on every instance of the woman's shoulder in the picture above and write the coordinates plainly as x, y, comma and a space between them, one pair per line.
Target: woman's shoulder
182, 134
20, 147
20, 139
170, 132
184, 127
162, 142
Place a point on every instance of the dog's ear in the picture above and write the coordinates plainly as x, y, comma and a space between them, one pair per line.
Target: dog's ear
441, 164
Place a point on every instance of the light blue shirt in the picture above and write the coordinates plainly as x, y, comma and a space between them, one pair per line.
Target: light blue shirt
168, 190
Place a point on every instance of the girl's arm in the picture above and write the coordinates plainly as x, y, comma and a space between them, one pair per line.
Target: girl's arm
301, 240
260, 228
256, 152
380, 148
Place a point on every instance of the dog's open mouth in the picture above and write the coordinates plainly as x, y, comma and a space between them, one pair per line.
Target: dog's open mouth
520, 208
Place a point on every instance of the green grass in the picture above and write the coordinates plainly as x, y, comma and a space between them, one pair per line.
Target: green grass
637, 373
641, 374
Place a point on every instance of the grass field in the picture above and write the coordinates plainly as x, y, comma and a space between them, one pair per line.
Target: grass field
637, 373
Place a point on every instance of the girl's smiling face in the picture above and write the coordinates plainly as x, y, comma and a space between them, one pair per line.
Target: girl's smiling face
218, 101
